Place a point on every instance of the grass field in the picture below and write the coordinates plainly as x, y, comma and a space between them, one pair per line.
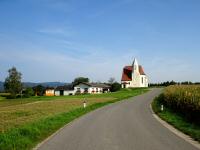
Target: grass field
25, 122
2, 96
17, 115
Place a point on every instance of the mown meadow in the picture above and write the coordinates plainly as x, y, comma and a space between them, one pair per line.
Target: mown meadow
181, 108
26, 122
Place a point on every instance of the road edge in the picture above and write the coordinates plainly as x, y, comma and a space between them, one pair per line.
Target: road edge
177, 132
53, 134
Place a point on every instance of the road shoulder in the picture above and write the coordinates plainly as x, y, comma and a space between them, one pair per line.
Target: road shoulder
175, 131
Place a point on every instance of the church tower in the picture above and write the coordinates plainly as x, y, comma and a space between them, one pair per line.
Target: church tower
135, 66
134, 76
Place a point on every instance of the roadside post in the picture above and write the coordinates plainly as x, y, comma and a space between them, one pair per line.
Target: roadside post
84, 104
162, 107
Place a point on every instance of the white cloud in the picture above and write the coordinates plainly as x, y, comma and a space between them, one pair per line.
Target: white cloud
56, 31
40, 65
37, 64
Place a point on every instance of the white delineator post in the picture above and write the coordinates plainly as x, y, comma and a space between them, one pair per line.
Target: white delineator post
162, 107
84, 104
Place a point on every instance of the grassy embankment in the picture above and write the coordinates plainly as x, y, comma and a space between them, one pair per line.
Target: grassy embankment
26, 122
181, 108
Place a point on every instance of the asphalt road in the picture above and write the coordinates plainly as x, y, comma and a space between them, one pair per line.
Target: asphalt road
126, 125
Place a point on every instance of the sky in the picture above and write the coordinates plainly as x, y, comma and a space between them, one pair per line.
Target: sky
58, 40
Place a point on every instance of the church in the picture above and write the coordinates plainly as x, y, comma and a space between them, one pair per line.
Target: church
134, 76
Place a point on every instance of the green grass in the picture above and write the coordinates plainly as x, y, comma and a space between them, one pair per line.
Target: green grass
30, 134
3, 96
176, 119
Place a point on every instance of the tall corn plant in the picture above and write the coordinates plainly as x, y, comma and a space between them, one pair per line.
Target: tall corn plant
184, 99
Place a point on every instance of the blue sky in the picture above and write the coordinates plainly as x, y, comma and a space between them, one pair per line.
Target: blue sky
58, 40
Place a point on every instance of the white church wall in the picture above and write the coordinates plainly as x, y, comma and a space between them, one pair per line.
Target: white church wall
137, 79
143, 80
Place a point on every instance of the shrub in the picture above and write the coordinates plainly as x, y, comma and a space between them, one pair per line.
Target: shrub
28, 92
11, 96
115, 87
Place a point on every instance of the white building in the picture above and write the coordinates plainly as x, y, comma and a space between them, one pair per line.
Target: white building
82, 88
92, 88
64, 90
134, 76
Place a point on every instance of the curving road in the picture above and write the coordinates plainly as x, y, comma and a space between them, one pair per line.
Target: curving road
126, 125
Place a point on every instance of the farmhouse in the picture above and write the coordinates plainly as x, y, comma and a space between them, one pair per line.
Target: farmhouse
49, 91
134, 76
81, 88
92, 88
64, 90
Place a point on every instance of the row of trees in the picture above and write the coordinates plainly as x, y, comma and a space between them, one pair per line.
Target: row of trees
168, 83
14, 86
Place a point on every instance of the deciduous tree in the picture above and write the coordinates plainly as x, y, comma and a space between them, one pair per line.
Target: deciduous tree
111, 80
39, 90
13, 83
79, 80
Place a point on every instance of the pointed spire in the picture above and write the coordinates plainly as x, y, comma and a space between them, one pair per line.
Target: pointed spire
135, 62
135, 65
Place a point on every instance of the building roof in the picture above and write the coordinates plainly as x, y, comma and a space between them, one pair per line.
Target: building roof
127, 73
141, 70
49, 88
65, 88
101, 85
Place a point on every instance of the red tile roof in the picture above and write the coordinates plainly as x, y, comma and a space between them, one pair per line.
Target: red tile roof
130, 68
141, 70
127, 73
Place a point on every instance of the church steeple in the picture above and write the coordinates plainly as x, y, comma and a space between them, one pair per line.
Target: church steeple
135, 65
134, 76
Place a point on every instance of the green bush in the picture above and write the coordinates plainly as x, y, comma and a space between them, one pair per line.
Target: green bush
156, 104
115, 87
28, 92
11, 97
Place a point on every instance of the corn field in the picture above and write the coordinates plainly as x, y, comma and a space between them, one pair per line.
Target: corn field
184, 99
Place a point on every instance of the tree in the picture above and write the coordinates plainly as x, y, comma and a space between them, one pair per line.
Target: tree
13, 83
115, 87
172, 83
28, 92
39, 90
79, 80
111, 80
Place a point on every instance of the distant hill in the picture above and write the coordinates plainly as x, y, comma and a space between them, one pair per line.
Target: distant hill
45, 84
32, 84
